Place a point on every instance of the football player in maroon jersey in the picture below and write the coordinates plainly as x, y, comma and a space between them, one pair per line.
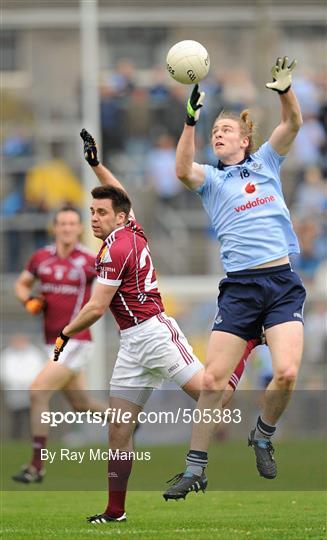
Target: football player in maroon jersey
65, 272
152, 346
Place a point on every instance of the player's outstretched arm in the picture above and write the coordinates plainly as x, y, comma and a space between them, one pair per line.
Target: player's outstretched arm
91, 156
105, 176
189, 172
284, 134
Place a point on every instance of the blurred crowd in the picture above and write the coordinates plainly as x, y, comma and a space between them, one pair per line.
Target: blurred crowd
140, 126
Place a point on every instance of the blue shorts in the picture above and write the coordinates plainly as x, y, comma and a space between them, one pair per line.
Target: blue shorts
251, 299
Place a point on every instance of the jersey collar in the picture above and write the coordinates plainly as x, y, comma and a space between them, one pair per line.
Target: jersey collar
221, 166
112, 234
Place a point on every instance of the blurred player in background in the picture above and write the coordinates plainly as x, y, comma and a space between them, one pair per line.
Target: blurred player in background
244, 199
65, 271
152, 346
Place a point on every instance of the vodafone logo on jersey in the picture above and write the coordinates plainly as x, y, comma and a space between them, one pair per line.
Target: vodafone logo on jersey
249, 189
256, 202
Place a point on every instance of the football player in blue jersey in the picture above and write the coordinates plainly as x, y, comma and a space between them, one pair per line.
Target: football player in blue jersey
244, 199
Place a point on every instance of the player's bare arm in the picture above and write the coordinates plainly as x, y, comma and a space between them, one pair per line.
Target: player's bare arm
89, 314
34, 304
24, 285
93, 310
104, 175
187, 170
284, 134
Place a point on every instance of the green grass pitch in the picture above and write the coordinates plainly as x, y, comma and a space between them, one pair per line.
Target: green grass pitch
239, 510
214, 515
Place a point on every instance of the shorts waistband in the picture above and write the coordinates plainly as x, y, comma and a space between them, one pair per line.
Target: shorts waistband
141, 326
260, 271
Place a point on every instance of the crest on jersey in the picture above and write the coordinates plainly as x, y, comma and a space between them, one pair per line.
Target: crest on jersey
256, 166
104, 255
59, 272
73, 274
250, 188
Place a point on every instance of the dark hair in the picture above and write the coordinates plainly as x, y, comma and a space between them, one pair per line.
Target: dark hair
67, 208
119, 198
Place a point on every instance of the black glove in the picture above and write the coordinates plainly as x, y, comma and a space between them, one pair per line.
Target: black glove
194, 105
90, 148
60, 344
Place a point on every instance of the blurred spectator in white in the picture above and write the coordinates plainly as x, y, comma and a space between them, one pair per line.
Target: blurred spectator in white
160, 169
20, 363
311, 193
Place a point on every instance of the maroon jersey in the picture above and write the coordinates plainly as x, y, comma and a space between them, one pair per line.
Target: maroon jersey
124, 260
65, 284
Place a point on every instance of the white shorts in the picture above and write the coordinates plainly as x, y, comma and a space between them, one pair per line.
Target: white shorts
152, 351
75, 355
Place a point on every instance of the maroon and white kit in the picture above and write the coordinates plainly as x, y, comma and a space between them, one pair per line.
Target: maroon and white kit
65, 284
152, 345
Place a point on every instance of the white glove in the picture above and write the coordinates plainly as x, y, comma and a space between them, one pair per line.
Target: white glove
282, 75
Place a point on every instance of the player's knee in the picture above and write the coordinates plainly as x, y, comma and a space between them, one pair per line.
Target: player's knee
212, 381
286, 377
208, 381
119, 435
80, 404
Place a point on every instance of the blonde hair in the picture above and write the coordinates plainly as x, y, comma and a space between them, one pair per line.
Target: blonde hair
247, 126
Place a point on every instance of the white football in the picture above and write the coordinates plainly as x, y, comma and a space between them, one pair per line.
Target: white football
188, 62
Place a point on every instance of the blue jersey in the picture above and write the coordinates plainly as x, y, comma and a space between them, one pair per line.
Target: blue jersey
247, 210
